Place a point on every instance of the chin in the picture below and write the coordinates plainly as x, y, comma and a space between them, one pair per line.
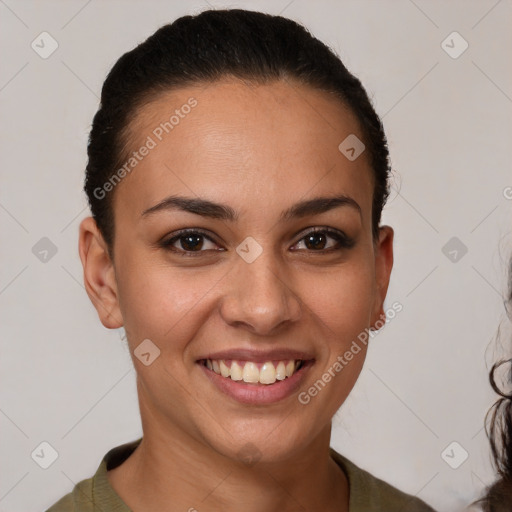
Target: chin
262, 441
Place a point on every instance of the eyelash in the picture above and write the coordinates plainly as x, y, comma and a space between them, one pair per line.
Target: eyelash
344, 241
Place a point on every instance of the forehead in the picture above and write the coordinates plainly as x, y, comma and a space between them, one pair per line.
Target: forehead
230, 138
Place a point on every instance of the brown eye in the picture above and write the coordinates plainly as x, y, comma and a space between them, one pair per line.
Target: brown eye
191, 242
188, 241
318, 240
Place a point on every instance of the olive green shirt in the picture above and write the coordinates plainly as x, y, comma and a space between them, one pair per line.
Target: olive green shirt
367, 493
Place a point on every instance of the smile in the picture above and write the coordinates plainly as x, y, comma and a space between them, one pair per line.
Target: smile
257, 379
252, 372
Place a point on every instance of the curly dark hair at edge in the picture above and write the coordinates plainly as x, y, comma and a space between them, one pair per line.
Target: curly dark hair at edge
498, 426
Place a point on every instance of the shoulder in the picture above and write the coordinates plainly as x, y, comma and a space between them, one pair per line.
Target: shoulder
95, 494
369, 493
80, 499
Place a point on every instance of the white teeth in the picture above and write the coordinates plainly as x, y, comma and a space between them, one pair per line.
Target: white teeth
281, 371
224, 369
236, 371
249, 371
290, 368
268, 373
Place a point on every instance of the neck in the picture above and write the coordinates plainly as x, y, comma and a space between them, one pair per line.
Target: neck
171, 471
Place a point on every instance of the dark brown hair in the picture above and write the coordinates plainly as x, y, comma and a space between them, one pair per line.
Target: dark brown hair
204, 48
498, 426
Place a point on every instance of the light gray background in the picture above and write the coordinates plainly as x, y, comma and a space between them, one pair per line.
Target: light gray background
69, 381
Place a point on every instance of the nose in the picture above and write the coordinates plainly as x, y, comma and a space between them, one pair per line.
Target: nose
259, 298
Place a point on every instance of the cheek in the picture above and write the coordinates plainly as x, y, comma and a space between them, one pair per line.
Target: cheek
162, 303
341, 300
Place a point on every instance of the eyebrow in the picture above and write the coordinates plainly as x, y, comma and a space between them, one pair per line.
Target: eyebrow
213, 210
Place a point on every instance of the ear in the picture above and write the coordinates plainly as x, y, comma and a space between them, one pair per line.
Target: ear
99, 274
383, 266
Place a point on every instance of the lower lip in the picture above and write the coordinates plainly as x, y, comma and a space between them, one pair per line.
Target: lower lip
258, 394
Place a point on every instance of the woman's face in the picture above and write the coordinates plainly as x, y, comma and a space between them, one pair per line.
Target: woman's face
253, 284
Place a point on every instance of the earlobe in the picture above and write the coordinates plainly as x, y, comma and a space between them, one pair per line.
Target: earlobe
383, 267
99, 274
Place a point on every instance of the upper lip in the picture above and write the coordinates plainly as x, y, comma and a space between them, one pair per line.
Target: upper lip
259, 356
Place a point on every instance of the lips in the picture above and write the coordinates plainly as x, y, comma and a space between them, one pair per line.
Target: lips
256, 377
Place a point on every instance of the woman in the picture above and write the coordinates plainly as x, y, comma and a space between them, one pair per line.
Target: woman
498, 496
236, 177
